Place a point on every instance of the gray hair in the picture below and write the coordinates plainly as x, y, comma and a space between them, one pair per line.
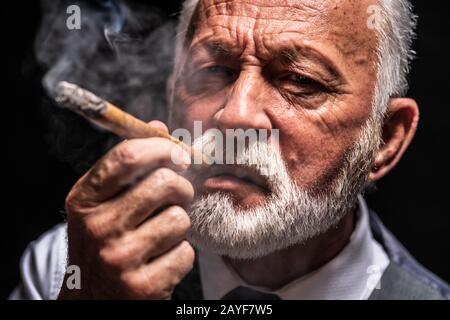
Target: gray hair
395, 53
395, 34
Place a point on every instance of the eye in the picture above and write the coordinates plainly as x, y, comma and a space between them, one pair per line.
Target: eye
218, 70
301, 80
214, 69
209, 79
301, 85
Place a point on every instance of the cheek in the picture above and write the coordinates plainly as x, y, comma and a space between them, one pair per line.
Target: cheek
314, 143
309, 153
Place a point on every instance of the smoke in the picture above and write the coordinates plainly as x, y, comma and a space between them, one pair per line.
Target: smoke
123, 53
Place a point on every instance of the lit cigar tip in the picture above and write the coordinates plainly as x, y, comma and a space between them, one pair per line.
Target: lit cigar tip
64, 91
73, 97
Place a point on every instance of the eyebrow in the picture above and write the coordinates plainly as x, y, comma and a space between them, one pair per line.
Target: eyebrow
216, 49
290, 54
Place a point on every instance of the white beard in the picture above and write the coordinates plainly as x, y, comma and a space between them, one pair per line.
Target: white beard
289, 215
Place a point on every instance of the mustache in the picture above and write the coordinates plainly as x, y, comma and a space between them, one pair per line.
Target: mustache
259, 157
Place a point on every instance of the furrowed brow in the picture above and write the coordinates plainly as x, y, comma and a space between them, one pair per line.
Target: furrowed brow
296, 55
220, 49
215, 49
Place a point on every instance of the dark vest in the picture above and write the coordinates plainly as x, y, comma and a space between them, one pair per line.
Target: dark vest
403, 279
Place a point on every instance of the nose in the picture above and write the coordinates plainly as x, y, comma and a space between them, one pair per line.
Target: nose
245, 104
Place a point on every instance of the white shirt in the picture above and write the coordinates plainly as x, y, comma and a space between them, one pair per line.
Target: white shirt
350, 275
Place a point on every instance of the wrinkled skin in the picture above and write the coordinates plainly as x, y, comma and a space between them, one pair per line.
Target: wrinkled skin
307, 68
254, 86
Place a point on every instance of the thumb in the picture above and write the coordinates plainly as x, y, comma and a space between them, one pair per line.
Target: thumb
159, 125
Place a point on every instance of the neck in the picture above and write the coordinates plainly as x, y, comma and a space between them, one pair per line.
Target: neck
281, 267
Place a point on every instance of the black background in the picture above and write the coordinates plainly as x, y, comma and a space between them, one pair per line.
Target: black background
412, 200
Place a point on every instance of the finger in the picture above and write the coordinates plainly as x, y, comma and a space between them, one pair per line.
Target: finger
163, 232
157, 279
160, 189
124, 165
153, 238
159, 125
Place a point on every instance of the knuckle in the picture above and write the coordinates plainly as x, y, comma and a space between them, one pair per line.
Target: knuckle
188, 253
179, 216
97, 227
76, 204
166, 177
98, 175
114, 259
128, 250
143, 284
177, 268
107, 257
132, 285
72, 202
156, 287
150, 289
127, 153
174, 185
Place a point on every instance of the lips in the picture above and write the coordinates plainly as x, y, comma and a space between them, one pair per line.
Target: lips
231, 176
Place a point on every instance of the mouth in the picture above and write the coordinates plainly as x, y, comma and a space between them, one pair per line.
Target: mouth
233, 177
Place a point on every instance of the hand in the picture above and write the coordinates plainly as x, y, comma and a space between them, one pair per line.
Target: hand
127, 223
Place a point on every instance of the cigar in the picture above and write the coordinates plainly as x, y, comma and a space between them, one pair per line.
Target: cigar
109, 117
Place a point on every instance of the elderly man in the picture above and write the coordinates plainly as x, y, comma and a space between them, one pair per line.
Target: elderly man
329, 77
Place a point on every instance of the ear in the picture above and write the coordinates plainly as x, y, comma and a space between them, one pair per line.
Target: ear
398, 131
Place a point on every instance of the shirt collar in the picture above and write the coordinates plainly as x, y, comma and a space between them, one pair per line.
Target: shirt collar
352, 274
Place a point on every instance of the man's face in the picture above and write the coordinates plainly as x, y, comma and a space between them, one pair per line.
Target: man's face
307, 68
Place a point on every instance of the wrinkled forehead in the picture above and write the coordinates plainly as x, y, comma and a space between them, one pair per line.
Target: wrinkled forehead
263, 25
